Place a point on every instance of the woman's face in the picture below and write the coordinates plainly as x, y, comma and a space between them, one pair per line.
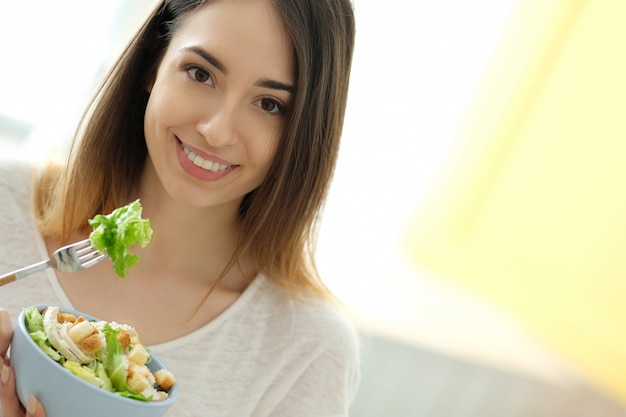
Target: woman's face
218, 103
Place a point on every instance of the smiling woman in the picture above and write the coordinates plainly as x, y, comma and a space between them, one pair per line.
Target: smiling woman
215, 118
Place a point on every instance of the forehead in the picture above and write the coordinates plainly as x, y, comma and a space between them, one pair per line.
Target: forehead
242, 33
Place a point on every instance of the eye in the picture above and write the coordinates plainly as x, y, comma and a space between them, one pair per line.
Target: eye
200, 75
270, 105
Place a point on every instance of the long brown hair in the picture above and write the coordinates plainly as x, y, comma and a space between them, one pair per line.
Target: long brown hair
279, 219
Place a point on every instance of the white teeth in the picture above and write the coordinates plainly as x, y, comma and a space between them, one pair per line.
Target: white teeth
203, 163
207, 164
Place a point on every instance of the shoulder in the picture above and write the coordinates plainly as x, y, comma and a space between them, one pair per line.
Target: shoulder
307, 316
324, 321
313, 327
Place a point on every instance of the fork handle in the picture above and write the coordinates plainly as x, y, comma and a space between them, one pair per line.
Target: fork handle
7, 279
21, 273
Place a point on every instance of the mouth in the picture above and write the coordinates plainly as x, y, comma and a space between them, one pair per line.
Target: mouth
205, 164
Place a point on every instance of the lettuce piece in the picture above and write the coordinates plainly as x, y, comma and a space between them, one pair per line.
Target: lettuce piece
34, 319
135, 396
34, 325
96, 376
102, 375
116, 232
116, 365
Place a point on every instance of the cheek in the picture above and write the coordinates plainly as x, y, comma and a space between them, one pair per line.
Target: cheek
153, 110
149, 118
162, 110
266, 152
266, 155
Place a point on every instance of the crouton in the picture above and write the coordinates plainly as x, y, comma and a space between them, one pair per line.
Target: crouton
66, 317
62, 317
138, 354
160, 396
90, 344
124, 337
138, 377
164, 379
80, 330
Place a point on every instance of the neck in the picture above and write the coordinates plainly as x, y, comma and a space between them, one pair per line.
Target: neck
190, 233
188, 241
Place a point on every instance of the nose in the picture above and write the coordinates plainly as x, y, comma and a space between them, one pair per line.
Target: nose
219, 127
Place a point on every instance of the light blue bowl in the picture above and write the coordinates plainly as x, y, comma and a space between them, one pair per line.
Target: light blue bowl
65, 395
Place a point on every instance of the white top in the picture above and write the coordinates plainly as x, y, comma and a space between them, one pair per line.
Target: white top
266, 355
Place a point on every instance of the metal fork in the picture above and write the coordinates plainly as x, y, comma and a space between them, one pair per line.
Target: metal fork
71, 258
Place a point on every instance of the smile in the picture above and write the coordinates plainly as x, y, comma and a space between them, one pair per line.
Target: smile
204, 163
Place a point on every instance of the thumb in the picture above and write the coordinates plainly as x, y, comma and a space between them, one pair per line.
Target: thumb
34, 408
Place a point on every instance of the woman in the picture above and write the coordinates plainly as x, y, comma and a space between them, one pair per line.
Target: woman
223, 118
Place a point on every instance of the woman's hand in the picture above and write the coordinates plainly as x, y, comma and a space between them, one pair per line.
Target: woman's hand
10, 405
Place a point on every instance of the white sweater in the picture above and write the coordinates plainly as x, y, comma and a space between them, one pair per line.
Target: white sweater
267, 355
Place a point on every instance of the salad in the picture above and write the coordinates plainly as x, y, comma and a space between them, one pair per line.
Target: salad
108, 355
116, 232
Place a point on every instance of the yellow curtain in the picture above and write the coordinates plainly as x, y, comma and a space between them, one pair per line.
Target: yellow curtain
531, 210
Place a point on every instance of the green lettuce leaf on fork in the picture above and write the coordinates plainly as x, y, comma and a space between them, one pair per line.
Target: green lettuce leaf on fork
115, 233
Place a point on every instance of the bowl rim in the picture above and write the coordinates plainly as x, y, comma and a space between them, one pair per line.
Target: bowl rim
172, 392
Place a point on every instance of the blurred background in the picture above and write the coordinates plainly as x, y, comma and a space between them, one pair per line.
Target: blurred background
475, 226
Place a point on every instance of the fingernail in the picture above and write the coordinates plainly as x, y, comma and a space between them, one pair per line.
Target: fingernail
31, 405
4, 374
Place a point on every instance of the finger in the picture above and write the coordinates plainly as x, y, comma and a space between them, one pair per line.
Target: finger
11, 406
6, 331
34, 408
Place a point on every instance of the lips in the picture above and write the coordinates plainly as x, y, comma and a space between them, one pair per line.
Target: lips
202, 167
199, 161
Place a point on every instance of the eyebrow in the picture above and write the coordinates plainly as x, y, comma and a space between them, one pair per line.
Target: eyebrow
211, 59
276, 85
